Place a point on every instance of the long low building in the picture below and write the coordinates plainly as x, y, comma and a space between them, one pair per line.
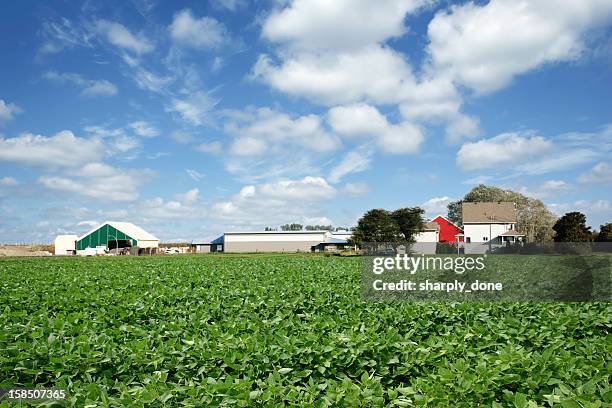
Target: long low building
277, 241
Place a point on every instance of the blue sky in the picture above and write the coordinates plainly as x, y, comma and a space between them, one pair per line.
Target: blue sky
193, 118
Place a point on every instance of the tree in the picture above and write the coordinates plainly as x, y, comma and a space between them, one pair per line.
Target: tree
396, 227
291, 227
409, 221
533, 218
572, 228
376, 225
319, 228
605, 233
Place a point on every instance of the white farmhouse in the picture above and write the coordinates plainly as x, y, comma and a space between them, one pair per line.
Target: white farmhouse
493, 223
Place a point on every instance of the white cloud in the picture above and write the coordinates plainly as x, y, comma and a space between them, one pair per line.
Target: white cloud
115, 139
362, 120
89, 87
501, 151
356, 189
193, 109
231, 5
485, 46
436, 206
338, 24
185, 206
62, 34
144, 129
259, 130
8, 110
601, 173
8, 181
182, 137
278, 202
248, 146
190, 196
194, 174
212, 147
375, 73
121, 37
554, 185
64, 149
99, 181
204, 32
560, 159
354, 161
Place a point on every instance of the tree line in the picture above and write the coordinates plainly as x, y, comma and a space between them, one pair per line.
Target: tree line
534, 220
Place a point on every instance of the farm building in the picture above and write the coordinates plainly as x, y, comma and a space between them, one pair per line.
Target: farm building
65, 244
113, 234
448, 230
279, 241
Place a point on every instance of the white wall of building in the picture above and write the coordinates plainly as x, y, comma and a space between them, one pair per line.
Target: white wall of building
484, 232
65, 244
427, 236
147, 244
275, 237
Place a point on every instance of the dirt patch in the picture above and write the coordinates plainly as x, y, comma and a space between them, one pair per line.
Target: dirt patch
22, 250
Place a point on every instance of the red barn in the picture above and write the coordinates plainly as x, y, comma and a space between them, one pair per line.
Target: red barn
448, 230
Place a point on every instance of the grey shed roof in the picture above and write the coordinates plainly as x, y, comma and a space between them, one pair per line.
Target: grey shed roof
488, 212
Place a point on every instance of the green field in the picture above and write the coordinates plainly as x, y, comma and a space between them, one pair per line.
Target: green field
267, 330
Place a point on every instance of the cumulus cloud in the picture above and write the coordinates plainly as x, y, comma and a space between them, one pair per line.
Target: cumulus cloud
601, 173
338, 24
99, 181
144, 129
64, 149
8, 181
259, 130
121, 37
436, 206
186, 205
472, 43
204, 32
362, 120
375, 73
501, 151
8, 111
277, 202
89, 87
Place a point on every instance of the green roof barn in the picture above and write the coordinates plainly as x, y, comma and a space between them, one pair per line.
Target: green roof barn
112, 234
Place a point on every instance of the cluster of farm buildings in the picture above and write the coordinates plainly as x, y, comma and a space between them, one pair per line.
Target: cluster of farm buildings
483, 223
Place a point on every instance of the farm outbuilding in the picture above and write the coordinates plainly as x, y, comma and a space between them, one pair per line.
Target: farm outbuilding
278, 241
113, 234
65, 244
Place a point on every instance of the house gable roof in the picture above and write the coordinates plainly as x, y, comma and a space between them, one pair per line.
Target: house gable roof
488, 212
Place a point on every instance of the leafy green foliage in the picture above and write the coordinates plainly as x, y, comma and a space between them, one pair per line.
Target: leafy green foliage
572, 228
533, 218
379, 225
605, 233
275, 330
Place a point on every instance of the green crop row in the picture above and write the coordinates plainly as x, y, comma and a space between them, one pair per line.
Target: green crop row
284, 331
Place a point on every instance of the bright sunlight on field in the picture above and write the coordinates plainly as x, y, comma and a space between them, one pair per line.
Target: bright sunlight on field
284, 330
